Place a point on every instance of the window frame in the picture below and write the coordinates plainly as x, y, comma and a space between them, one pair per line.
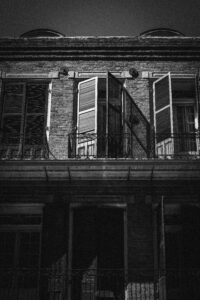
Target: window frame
47, 109
13, 210
192, 101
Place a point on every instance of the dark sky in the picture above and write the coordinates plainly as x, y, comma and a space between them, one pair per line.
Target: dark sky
99, 17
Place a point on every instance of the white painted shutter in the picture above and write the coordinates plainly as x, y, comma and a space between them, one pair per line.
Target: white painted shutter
197, 116
87, 118
163, 116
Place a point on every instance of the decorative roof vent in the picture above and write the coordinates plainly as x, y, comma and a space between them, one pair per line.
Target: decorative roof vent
42, 32
161, 32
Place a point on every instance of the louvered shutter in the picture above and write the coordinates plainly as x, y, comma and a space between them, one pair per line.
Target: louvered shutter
163, 116
87, 118
35, 120
114, 117
197, 116
12, 119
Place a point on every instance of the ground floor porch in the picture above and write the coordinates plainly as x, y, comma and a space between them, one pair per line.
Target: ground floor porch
101, 247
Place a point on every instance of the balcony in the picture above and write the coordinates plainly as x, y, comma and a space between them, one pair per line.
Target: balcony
103, 284
76, 284
90, 145
176, 146
116, 146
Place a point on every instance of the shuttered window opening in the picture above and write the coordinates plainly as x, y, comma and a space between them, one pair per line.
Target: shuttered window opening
175, 116
23, 119
109, 123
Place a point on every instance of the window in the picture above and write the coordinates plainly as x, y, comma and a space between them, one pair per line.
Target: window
178, 249
97, 264
96, 118
175, 116
23, 119
109, 123
19, 254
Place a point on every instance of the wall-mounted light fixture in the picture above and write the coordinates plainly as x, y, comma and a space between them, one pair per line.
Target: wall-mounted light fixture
64, 71
134, 73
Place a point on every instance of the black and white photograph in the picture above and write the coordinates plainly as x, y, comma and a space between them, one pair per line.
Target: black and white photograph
99, 150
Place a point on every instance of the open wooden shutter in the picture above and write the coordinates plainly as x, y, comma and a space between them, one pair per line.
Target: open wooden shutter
197, 112
114, 117
87, 118
12, 119
163, 116
161, 251
136, 129
35, 120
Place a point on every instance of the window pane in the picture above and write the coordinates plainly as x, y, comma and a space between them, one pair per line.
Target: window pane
35, 97
13, 103
183, 88
11, 129
34, 133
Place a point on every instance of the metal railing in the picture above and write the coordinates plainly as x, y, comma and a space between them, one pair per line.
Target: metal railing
178, 146
117, 146
99, 284
75, 284
126, 145
31, 284
91, 145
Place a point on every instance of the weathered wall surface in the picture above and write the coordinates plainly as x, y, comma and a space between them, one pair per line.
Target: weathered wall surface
64, 97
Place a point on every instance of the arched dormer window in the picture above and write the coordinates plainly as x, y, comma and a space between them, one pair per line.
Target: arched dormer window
162, 32
42, 32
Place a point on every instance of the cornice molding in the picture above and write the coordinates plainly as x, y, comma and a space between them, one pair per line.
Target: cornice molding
101, 48
100, 170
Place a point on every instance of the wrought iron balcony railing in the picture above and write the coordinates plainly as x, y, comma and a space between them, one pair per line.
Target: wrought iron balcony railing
76, 284
117, 146
91, 145
170, 146
99, 284
178, 146
27, 148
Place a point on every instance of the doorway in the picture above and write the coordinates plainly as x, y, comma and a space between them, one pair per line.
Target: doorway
97, 253
178, 251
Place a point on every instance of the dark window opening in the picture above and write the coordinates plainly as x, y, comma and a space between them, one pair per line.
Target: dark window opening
23, 119
178, 251
19, 256
98, 253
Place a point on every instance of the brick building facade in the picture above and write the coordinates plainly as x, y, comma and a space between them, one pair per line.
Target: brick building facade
99, 167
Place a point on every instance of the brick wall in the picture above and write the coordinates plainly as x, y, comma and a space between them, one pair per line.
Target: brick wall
63, 97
